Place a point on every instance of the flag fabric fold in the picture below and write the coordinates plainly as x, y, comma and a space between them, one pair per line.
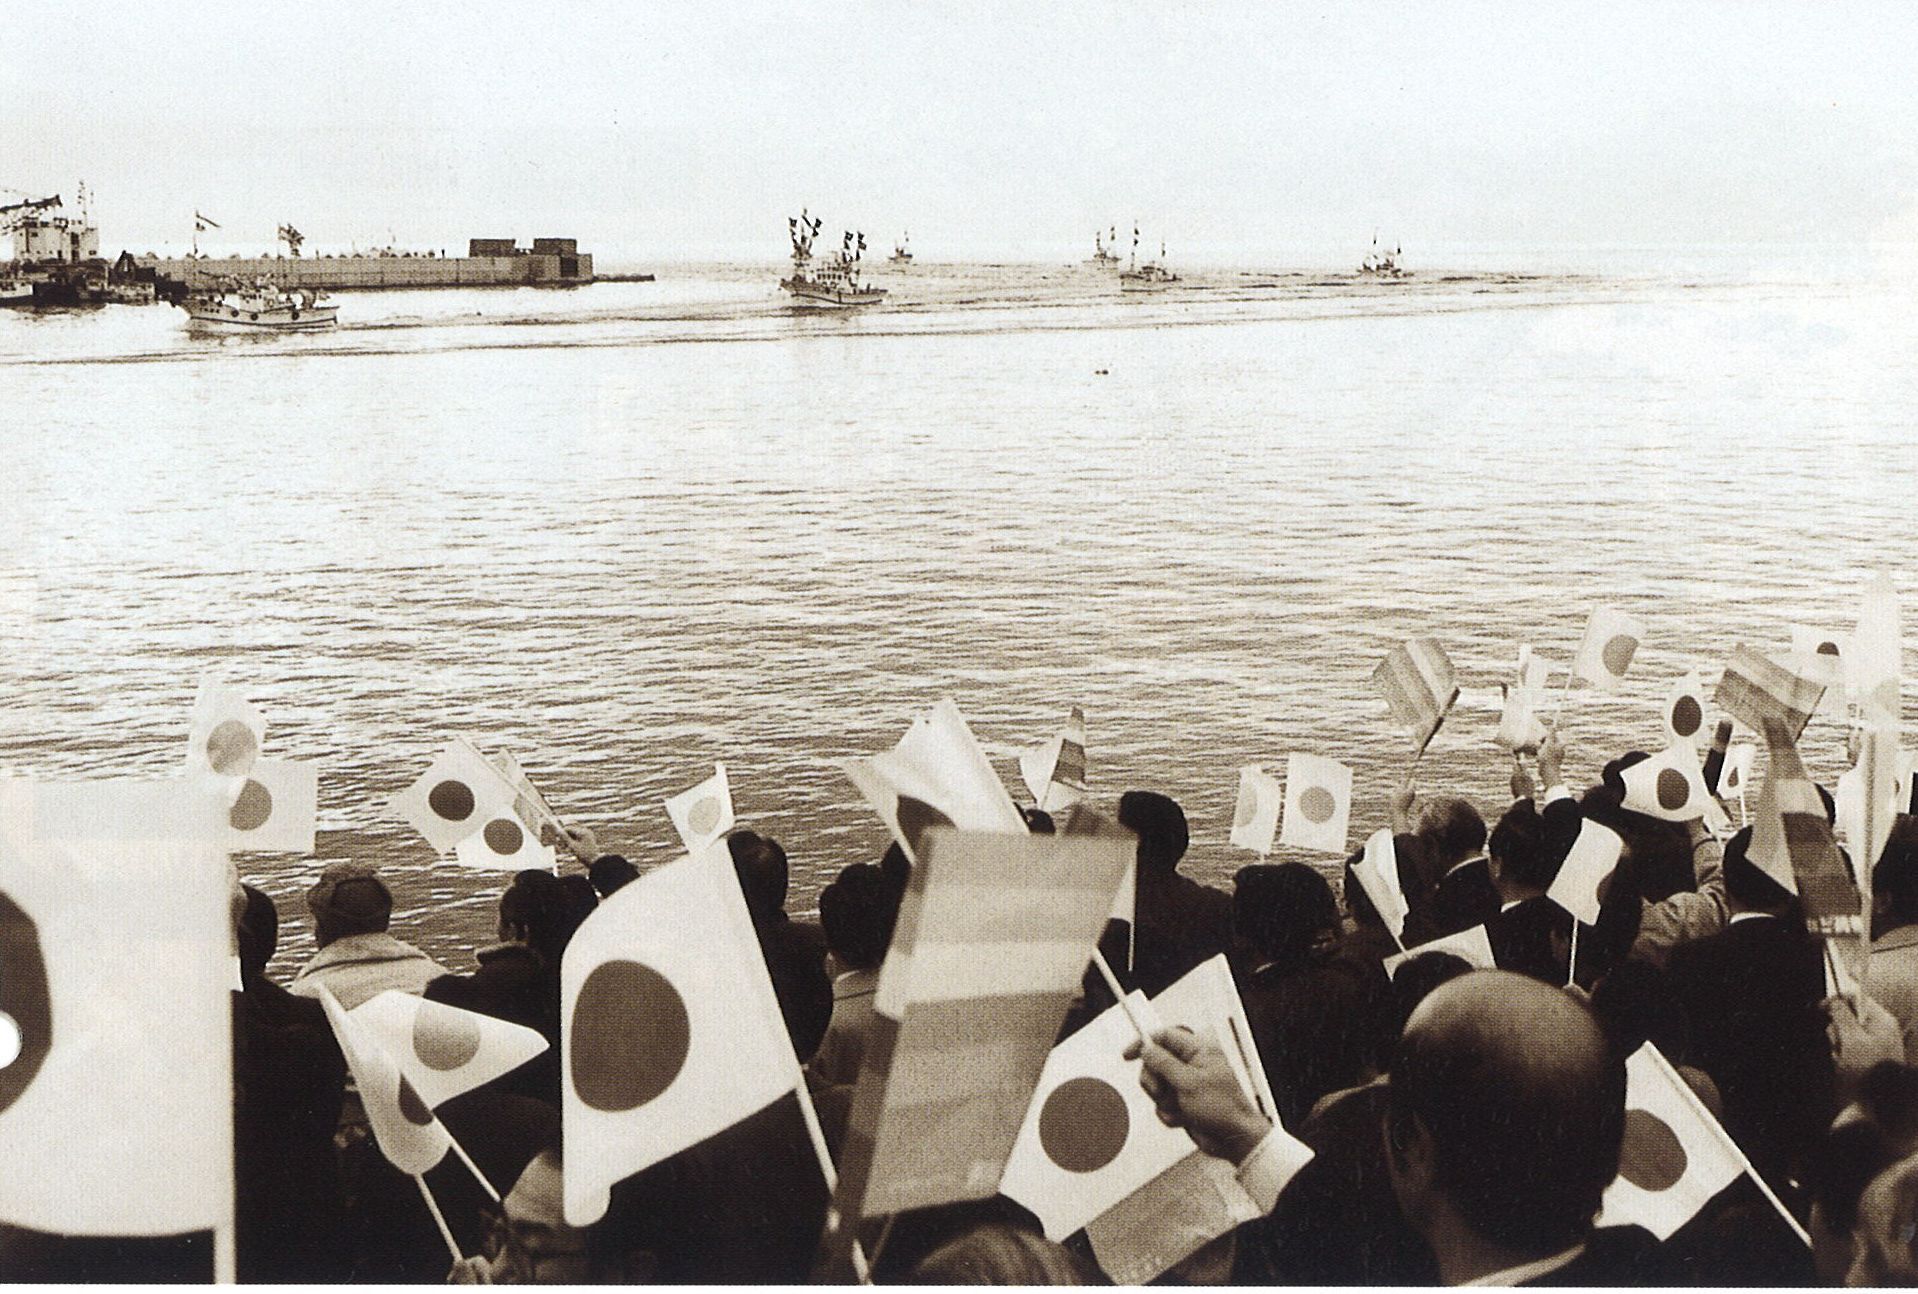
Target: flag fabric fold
1420, 686
1255, 818
1378, 874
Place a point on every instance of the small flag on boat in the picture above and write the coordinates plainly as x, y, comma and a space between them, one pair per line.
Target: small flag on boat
1611, 641
1255, 819
1318, 803
1756, 690
1419, 686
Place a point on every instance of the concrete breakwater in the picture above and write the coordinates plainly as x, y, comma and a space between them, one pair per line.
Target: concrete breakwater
552, 262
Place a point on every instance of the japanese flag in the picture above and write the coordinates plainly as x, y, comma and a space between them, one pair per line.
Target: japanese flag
1675, 1157
1318, 803
1378, 873
273, 807
935, 776
1474, 946
458, 795
1255, 820
1605, 654
505, 844
1736, 775
225, 733
409, 1134
1091, 1136
1685, 712
670, 1029
116, 1105
703, 814
1818, 655
1669, 785
1579, 887
442, 1050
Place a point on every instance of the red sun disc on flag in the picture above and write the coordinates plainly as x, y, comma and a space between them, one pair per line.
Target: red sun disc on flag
230, 747
1674, 789
704, 815
1687, 718
452, 800
504, 837
1083, 1124
1248, 809
630, 1036
251, 811
444, 1040
1618, 653
25, 1002
1652, 1157
1318, 804
916, 815
417, 1112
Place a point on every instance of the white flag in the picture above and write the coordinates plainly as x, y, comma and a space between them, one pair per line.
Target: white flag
409, 1134
226, 731
936, 775
1055, 771
1675, 1157
441, 1050
458, 795
671, 1029
1318, 803
1819, 656
116, 1091
1611, 641
1593, 858
703, 814
274, 807
1255, 820
1474, 946
1378, 874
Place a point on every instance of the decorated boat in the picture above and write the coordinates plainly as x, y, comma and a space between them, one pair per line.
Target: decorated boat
1383, 265
902, 250
832, 281
1103, 256
1153, 276
262, 307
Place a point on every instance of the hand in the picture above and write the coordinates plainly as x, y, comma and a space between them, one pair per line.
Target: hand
1861, 1038
1195, 1088
1522, 788
583, 843
470, 1271
1551, 759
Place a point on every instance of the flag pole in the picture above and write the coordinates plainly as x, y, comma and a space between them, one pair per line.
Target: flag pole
433, 1207
1698, 1108
226, 1264
817, 1135
471, 1167
1139, 1024
1571, 961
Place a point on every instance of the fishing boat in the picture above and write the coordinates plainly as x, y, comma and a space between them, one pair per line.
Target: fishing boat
902, 250
1103, 256
1383, 265
263, 307
832, 283
1150, 277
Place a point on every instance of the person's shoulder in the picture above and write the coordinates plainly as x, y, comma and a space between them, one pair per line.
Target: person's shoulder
1613, 1256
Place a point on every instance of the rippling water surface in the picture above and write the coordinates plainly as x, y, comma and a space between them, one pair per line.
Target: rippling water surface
625, 530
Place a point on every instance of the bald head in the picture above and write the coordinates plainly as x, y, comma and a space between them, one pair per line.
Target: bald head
1522, 1101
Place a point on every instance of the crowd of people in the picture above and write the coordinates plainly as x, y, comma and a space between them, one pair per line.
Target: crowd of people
1464, 1122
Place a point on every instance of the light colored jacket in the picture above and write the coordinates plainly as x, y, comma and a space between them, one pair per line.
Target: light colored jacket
1892, 978
358, 967
1686, 916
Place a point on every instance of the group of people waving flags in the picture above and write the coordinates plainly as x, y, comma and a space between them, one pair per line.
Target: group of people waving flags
1604, 1038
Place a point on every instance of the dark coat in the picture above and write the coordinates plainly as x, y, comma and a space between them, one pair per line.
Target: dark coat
1181, 924
795, 953
1751, 993
1614, 1257
1465, 897
1532, 937
1316, 1030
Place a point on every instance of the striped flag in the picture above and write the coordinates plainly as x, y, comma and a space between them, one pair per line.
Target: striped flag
1611, 642
1419, 686
1055, 772
992, 941
1793, 843
1756, 690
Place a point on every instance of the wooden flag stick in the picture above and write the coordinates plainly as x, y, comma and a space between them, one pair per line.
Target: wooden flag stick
1698, 1108
226, 1263
1139, 1024
1571, 961
817, 1135
471, 1167
433, 1207
879, 1245
1564, 691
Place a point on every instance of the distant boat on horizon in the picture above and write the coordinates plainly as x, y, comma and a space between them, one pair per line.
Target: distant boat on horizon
1102, 254
1153, 276
1383, 265
901, 251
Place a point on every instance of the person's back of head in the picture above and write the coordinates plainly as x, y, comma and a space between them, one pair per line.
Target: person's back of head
763, 877
578, 900
1522, 860
257, 933
1160, 824
532, 911
611, 872
1507, 1112
996, 1254
1453, 827
1894, 881
1747, 885
349, 899
1285, 913
857, 912
1635, 1004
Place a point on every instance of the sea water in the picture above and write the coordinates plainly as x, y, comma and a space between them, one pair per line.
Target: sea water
627, 530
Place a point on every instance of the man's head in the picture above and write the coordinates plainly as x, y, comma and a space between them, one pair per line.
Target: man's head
1748, 887
1506, 1115
857, 912
609, 872
1522, 863
256, 931
348, 899
1159, 823
1452, 827
533, 1245
1285, 913
1894, 882
761, 865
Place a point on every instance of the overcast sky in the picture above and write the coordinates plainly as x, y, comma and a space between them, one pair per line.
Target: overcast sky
1278, 131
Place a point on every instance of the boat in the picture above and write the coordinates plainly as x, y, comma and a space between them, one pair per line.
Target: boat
833, 282
901, 251
1102, 254
15, 292
1383, 265
1150, 277
263, 307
